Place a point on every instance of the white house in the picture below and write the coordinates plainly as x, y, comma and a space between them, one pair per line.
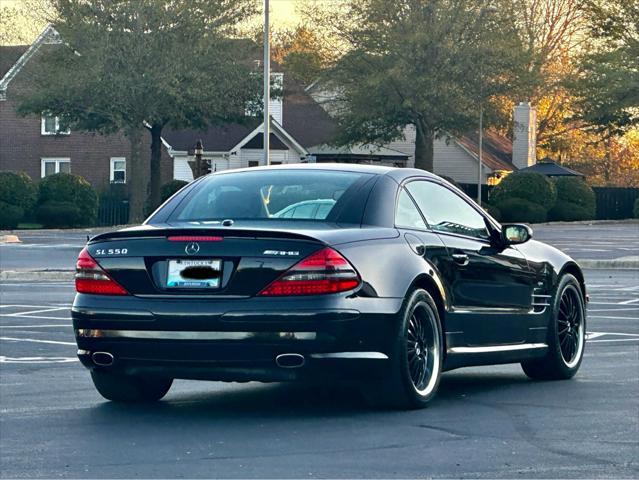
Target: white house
458, 157
303, 130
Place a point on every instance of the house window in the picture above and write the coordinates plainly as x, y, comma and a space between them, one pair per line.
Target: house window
118, 170
49, 166
253, 163
51, 125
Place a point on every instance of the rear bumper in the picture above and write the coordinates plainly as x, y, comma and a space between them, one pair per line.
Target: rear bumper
230, 340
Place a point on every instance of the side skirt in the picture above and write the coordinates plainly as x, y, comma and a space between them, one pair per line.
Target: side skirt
457, 357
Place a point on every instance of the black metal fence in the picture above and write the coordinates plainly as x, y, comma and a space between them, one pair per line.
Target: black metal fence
112, 211
615, 203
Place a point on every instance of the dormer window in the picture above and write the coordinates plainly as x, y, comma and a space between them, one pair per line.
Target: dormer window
52, 125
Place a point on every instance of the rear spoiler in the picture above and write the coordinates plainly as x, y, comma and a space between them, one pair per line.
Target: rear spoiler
150, 232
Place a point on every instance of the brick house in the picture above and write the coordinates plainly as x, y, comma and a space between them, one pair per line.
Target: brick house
41, 146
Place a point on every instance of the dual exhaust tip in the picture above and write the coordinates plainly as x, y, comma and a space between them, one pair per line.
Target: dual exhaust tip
290, 360
285, 360
102, 359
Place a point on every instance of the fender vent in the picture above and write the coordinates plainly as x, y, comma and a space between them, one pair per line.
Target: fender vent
540, 301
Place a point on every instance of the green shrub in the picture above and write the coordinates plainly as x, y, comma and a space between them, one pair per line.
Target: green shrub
493, 211
533, 187
169, 188
17, 189
635, 210
575, 200
59, 214
73, 189
569, 212
520, 210
10, 215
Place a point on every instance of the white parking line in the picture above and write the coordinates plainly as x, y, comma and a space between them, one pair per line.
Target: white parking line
34, 340
30, 312
612, 317
66, 325
631, 309
605, 303
4, 359
32, 306
34, 317
590, 335
628, 302
615, 340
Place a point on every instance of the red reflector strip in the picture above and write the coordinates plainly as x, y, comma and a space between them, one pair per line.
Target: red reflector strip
98, 287
194, 238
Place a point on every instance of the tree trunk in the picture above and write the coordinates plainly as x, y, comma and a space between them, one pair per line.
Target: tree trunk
137, 176
156, 166
424, 139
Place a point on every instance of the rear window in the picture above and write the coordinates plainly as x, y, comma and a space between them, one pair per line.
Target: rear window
268, 194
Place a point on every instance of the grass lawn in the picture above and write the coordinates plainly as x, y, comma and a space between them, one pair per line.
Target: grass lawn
29, 226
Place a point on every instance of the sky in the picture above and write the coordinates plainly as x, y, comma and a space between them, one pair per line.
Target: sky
283, 12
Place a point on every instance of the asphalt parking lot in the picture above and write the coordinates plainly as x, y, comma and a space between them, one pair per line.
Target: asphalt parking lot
486, 422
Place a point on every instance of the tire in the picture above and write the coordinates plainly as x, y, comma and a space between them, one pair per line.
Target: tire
566, 335
129, 388
416, 360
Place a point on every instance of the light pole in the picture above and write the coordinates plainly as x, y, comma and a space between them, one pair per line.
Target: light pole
482, 12
481, 148
267, 85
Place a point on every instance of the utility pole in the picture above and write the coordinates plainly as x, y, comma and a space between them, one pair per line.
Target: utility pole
482, 13
481, 150
267, 85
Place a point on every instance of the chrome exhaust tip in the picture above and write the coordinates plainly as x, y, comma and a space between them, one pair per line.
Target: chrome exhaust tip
102, 359
290, 360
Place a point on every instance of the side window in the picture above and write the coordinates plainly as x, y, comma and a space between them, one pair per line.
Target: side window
407, 215
445, 211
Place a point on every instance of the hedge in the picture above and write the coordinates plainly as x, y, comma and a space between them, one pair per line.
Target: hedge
575, 200
169, 188
60, 214
10, 215
569, 212
65, 188
520, 210
532, 187
17, 188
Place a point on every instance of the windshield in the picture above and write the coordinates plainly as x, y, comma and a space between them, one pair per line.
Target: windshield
267, 194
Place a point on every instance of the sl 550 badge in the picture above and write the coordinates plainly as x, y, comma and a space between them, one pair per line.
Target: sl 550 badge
111, 251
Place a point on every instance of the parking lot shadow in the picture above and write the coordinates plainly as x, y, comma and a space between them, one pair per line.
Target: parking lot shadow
279, 400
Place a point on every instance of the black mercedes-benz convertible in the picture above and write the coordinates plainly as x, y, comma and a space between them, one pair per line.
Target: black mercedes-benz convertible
378, 276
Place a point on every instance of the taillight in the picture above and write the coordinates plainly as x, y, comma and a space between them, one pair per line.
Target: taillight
90, 278
325, 271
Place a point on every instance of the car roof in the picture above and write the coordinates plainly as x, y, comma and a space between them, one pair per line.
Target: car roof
394, 172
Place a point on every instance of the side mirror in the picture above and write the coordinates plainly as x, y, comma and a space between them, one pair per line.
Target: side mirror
515, 233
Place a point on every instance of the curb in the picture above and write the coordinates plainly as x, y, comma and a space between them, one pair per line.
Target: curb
625, 263
37, 275
9, 239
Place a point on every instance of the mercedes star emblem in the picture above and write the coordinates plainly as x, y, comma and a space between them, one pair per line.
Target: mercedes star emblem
192, 248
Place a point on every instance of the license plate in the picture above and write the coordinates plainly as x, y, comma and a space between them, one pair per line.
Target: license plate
205, 273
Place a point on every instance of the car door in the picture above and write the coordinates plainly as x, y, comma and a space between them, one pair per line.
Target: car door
490, 287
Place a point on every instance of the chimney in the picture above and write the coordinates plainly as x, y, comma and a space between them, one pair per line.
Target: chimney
524, 135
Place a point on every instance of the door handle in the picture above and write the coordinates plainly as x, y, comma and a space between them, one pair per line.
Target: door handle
460, 259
